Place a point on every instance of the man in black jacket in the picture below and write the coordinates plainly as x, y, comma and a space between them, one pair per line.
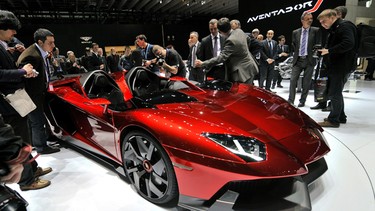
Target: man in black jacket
211, 47
11, 79
340, 54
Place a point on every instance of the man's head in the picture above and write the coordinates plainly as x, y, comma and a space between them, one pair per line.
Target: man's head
193, 38
260, 37
213, 27
127, 50
45, 39
281, 39
9, 24
141, 40
235, 24
270, 34
223, 25
113, 51
327, 18
255, 32
100, 51
94, 47
341, 11
71, 56
306, 19
159, 51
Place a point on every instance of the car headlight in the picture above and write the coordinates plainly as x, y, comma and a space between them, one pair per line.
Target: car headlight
249, 149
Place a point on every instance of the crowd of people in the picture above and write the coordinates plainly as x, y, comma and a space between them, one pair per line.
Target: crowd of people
227, 53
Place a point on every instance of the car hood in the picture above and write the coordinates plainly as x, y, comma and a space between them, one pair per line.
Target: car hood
243, 111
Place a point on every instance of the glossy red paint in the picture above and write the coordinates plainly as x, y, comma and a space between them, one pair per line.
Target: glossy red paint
201, 166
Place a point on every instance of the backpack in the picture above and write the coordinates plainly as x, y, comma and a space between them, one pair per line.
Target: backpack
366, 41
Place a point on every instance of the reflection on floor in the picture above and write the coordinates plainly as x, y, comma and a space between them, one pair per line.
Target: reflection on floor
79, 183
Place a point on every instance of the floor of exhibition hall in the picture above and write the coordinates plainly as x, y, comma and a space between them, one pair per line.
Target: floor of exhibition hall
80, 183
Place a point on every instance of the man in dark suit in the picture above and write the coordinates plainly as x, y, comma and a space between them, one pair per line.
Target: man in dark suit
239, 64
211, 47
341, 54
94, 61
38, 55
195, 73
303, 41
267, 60
113, 61
282, 55
11, 79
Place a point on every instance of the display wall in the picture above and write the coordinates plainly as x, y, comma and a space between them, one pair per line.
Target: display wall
281, 16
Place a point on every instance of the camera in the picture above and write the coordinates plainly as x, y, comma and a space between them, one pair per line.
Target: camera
316, 53
160, 60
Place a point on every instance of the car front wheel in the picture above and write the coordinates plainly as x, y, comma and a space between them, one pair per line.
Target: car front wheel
149, 168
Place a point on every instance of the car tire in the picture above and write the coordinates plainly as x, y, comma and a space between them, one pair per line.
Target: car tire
149, 168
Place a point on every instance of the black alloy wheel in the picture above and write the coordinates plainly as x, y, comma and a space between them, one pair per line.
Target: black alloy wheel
149, 168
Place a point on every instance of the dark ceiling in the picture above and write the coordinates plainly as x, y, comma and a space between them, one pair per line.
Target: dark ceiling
117, 11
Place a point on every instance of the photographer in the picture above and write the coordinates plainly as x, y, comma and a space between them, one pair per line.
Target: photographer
169, 61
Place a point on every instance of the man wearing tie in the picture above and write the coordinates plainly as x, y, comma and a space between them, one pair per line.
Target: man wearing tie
211, 46
196, 73
38, 55
267, 60
282, 55
303, 41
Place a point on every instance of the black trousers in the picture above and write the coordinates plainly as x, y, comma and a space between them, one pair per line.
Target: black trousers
266, 73
336, 82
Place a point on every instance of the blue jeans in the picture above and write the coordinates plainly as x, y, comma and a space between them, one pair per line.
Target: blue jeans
37, 121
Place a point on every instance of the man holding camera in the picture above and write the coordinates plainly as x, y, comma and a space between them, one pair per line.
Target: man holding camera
303, 41
169, 61
341, 60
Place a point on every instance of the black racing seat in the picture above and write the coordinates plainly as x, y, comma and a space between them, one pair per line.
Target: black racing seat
143, 82
101, 87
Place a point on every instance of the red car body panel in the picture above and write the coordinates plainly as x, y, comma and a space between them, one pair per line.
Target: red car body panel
201, 165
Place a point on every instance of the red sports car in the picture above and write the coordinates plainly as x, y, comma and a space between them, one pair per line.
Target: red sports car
199, 145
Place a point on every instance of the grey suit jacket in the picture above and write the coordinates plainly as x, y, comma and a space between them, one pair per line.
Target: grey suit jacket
239, 64
314, 39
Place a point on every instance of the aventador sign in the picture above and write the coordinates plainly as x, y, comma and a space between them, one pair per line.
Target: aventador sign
281, 16
305, 6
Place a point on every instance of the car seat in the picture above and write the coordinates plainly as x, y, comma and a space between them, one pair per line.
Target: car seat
103, 88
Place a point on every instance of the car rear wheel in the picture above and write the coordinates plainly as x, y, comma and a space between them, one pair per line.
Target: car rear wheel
149, 168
